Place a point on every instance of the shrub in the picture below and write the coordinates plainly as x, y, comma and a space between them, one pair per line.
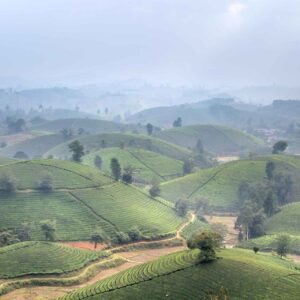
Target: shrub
135, 234
7, 183
122, 238
154, 190
46, 183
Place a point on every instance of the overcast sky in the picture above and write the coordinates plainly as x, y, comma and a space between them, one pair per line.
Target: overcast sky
206, 42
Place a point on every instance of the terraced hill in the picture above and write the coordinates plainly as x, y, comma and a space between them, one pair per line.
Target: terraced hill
219, 185
216, 139
96, 142
43, 258
147, 166
34, 147
83, 200
92, 126
178, 276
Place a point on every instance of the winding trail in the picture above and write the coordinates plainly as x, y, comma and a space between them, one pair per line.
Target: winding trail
131, 258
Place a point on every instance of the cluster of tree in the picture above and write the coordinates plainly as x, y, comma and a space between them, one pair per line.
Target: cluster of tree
116, 171
21, 155
133, 235
15, 126
259, 201
8, 183
45, 184
279, 147
67, 133
21, 234
177, 122
181, 207
48, 229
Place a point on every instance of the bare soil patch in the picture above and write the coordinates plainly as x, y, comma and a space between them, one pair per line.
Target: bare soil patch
85, 245
228, 221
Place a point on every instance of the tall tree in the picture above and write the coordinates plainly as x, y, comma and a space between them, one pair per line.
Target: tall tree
77, 150
98, 162
48, 228
282, 245
177, 122
115, 168
270, 167
149, 128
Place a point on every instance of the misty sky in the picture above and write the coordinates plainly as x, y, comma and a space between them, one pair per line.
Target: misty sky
207, 42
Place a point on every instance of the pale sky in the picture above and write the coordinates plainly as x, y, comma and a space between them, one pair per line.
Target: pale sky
207, 42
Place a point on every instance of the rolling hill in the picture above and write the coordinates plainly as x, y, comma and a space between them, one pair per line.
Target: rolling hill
219, 140
83, 200
91, 126
43, 258
34, 147
147, 166
108, 140
219, 185
241, 273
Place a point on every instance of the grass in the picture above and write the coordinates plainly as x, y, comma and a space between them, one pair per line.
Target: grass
219, 185
216, 139
148, 166
95, 142
83, 201
43, 258
178, 276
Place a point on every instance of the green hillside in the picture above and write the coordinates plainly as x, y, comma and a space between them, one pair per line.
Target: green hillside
178, 276
216, 139
219, 185
83, 200
43, 258
147, 166
96, 142
91, 126
35, 147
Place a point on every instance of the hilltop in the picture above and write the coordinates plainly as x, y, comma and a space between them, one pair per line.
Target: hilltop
219, 185
147, 166
215, 139
241, 273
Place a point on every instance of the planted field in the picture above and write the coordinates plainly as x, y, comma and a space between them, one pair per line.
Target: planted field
83, 200
65, 174
96, 142
219, 185
147, 166
34, 147
125, 206
179, 277
215, 138
92, 126
42, 258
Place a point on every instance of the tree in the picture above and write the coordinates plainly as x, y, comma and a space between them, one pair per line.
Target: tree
24, 232
103, 144
122, 237
21, 155
154, 191
177, 122
149, 128
283, 185
187, 167
255, 250
77, 150
115, 169
81, 131
48, 229
135, 234
98, 162
96, 238
270, 203
199, 149
7, 183
270, 167
282, 245
207, 242
127, 175
279, 147
46, 183
67, 133
181, 207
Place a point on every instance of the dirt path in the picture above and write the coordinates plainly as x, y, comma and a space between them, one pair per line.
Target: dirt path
228, 221
133, 258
